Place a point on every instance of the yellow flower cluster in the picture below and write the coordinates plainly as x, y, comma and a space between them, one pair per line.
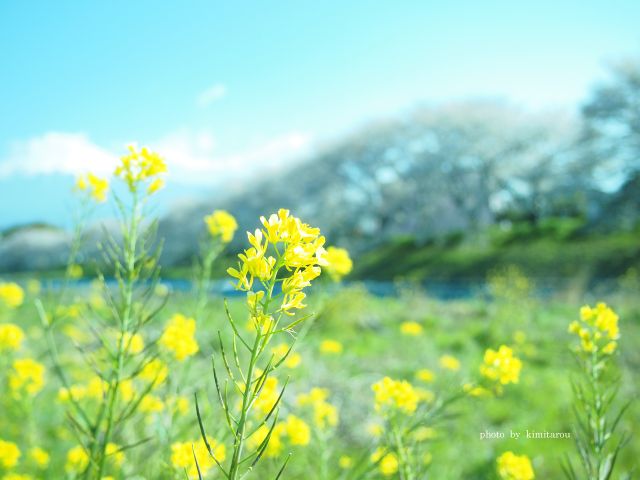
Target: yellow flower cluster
330, 347
96, 187
11, 336
514, 467
27, 376
324, 414
95, 389
40, 457
501, 365
154, 371
221, 224
387, 463
182, 456
410, 328
598, 329
268, 396
398, 394
139, 166
11, 294
77, 460
339, 263
425, 375
179, 337
133, 343
449, 362
293, 429
9, 454
298, 247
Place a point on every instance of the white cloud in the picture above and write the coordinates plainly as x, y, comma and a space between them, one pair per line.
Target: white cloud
192, 156
211, 94
57, 152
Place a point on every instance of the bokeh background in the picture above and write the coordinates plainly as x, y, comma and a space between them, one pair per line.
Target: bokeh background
479, 160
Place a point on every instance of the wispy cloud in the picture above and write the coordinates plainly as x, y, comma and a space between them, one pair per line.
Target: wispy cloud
57, 152
193, 157
211, 94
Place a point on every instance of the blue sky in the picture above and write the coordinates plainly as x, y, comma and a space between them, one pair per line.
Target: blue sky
226, 90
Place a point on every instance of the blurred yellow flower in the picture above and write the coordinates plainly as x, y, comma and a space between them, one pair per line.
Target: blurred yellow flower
597, 329
274, 447
514, 467
182, 455
178, 337
449, 362
75, 271
297, 430
425, 375
330, 347
16, 476
387, 464
398, 394
339, 263
151, 404
155, 370
133, 343
77, 460
39, 456
501, 365
411, 328
11, 337
11, 294
155, 185
221, 224
96, 187
268, 396
9, 454
27, 375
345, 462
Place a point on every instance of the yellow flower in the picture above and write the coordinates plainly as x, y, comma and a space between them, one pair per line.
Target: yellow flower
9, 454
182, 455
77, 460
345, 462
96, 187
178, 337
274, 447
115, 453
181, 404
154, 371
126, 390
155, 185
151, 404
75, 392
11, 337
449, 362
375, 430
139, 166
324, 414
297, 430
16, 476
268, 396
11, 294
330, 347
411, 328
39, 456
425, 375
75, 271
597, 329
339, 263
514, 467
27, 375
132, 343
387, 464
221, 224
475, 390
293, 359
501, 365
96, 388
398, 394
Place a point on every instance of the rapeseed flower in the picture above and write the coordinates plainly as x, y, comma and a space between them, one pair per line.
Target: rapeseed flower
27, 375
398, 394
182, 455
39, 456
450, 362
514, 467
9, 454
178, 337
11, 337
339, 263
221, 224
425, 375
274, 447
77, 460
133, 343
292, 360
411, 328
96, 187
140, 165
11, 294
387, 463
330, 347
501, 365
154, 371
297, 430
597, 329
